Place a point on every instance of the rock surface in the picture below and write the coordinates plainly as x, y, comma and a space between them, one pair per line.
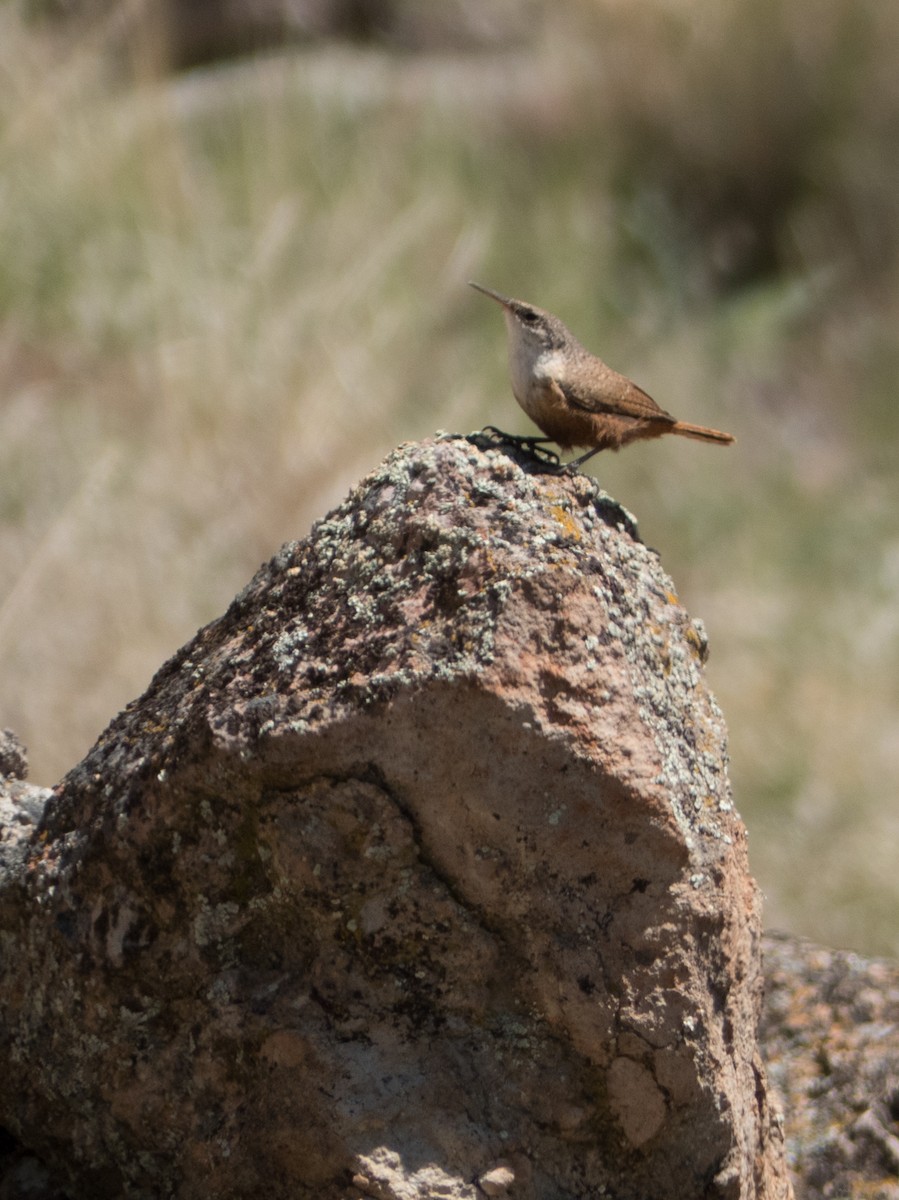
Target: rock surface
831, 1035
22, 805
13, 759
418, 868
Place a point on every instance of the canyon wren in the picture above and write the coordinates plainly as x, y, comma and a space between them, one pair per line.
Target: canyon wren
574, 398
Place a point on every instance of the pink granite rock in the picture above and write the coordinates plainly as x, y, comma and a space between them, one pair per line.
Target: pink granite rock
418, 864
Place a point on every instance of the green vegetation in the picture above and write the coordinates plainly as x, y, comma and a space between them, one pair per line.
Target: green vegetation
225, 295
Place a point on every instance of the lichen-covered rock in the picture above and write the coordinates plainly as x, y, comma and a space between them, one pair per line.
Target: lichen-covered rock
421, 860
831, 1038
13, 759
22, 806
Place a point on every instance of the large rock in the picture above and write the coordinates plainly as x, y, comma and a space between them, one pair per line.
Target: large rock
415, 874
22, 806
831, 1037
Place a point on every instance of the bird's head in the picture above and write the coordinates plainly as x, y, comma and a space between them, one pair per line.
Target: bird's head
539, 329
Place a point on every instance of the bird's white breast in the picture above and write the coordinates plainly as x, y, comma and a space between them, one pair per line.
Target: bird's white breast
530, 367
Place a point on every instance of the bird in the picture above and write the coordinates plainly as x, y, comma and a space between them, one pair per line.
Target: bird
573, 396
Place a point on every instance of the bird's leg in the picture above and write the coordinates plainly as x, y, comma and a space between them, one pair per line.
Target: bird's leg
579, 462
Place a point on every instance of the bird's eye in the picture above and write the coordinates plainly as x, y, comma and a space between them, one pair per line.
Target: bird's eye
527, 315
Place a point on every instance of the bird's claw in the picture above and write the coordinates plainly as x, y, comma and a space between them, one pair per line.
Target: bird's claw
491, 436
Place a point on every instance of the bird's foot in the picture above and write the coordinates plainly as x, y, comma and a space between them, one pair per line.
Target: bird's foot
491, 436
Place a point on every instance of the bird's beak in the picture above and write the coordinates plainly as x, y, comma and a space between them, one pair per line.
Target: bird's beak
503, 300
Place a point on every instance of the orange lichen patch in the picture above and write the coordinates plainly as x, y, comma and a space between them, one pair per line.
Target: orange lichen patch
694, 641
567, 521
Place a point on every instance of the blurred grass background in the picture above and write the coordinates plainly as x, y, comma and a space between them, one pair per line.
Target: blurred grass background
226, 291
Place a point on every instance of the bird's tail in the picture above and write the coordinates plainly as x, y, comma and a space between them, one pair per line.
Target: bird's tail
702, 434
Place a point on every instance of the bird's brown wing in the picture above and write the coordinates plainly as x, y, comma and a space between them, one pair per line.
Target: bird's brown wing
609, 392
